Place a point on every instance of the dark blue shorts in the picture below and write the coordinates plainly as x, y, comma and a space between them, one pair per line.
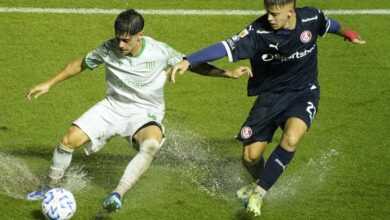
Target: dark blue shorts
271, 110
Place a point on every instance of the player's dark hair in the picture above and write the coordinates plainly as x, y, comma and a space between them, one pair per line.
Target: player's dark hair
272, 3
129, 22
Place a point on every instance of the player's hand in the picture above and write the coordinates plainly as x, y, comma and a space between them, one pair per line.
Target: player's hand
238, 72
180, 67
38, 90
352, 36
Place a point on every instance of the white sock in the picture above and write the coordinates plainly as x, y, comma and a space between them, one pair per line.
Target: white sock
260, 191
137, 166
61, 159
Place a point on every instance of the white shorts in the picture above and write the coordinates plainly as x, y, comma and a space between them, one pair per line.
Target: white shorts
104, 120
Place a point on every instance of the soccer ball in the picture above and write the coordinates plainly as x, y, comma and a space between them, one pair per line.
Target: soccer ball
58, 204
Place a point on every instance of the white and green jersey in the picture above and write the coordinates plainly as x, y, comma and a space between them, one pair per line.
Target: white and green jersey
136, 79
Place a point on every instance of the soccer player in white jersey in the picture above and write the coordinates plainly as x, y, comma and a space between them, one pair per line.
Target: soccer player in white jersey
134, 106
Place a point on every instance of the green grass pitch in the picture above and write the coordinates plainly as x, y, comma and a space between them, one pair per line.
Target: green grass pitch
341, 167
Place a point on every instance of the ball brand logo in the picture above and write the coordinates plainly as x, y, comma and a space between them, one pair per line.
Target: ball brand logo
246, 132
306, 37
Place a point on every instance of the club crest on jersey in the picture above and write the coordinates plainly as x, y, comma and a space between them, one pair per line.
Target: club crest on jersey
246, 132
306, 36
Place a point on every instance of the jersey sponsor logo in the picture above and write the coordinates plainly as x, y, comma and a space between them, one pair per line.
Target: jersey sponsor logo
131, 83
122, 83
246, 132
296, 55
306, 37
268, 57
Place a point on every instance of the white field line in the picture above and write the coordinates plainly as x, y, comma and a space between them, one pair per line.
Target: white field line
178, 11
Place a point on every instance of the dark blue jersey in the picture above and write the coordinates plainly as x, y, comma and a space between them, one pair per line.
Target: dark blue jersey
284, 59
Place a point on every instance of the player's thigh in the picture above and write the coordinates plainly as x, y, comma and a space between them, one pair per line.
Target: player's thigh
260, 125
298, 118
303, 106
100, 123
150, 132
294, 130
254, 151
74, 138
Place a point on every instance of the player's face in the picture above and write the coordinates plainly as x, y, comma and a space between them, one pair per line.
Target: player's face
130, 44
279, 16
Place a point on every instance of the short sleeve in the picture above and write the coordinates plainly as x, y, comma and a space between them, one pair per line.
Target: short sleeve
172, 55
323, 23
96, 57
242, 45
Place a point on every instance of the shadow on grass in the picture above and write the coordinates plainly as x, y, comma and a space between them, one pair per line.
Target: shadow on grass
242, 214
28, 151
37, 214
102, 215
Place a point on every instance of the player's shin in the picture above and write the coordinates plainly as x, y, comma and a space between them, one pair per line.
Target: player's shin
137, 166
255, 170
276, 164
62, 157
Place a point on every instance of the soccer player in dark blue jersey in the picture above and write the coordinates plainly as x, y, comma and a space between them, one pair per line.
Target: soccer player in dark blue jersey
281, 46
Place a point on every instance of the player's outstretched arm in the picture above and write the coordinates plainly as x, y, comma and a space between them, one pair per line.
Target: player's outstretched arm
348, 34
238, 72
213, 52
351, 36
206, 69
73, 68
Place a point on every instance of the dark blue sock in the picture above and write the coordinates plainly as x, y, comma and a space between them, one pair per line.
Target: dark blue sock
255, 170
276, 164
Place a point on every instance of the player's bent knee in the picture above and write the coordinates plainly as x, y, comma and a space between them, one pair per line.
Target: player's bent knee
289, 142
68, 142
249, 160
150, 146
74, 138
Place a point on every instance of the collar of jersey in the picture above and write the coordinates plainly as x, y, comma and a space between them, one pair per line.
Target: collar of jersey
140, 52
